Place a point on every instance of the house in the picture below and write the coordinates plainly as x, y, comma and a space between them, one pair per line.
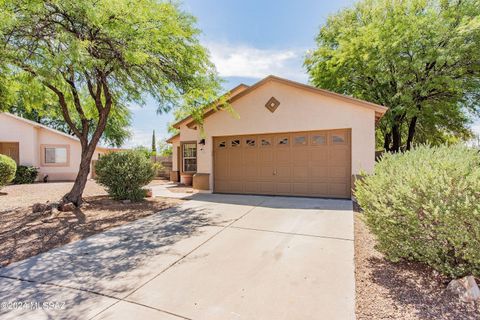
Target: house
282, 138
55, 153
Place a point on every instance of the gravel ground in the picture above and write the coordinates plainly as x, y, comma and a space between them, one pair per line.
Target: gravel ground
180, 188
386, 290
24, 234
21, 195
18, 196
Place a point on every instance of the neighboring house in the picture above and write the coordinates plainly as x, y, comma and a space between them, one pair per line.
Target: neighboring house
286, 138
55, 153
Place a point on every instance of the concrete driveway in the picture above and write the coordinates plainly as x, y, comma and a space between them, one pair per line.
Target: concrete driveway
213, 257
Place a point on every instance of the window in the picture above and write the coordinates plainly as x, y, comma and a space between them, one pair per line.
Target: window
235, 143
266, 142
283, 142
189, 157
222, 144
338, 139
250, 142
301, 140
54, 155
318, 139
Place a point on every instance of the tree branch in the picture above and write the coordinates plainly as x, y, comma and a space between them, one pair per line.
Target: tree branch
76, 100
61, 99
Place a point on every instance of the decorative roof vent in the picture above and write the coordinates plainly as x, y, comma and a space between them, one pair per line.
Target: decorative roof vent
272, 104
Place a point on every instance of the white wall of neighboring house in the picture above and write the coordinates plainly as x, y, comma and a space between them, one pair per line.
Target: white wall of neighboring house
32, 137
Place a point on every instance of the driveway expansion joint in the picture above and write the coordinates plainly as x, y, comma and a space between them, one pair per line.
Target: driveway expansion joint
291, 233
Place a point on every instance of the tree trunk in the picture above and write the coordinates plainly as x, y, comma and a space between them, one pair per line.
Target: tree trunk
396, 138
75, 194
411, 132
387, 140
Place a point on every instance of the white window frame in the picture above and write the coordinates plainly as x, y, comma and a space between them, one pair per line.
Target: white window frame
184, 145
43, 155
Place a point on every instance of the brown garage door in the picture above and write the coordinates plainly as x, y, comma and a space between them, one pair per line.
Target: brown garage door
313, 163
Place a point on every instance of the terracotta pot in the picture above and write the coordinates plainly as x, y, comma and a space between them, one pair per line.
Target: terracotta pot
186, 179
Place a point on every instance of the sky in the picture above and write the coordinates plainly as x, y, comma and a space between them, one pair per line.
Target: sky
248, 40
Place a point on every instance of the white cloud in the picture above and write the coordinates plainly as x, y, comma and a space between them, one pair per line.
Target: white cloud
250, 62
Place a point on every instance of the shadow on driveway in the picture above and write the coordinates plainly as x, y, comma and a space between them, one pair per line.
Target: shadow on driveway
117, 261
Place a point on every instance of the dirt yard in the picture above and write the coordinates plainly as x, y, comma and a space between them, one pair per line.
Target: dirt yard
21, 195
24, 234
386, 290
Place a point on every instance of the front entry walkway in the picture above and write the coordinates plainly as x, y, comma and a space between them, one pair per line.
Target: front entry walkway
213, 257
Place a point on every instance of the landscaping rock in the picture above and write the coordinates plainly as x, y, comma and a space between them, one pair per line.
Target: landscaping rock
466, 288
126, 201
66, 207
40, 207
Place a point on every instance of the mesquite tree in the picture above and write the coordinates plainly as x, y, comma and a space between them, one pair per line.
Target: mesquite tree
93, 56
420, 58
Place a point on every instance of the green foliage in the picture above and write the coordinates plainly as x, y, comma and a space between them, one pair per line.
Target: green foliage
144, 48
154, 144
144, 151
420, 58
25, 175
158, 167
7, 170
424, 205
124, 174
164, 148
90, 60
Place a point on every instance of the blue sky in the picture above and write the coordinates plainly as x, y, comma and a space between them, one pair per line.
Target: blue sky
248, 40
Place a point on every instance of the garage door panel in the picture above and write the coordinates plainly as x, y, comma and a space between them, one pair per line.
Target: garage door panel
318, 188
338, 156
252, 187
337, 189
300, 188
250, 172
300, 172
265, 155
317, 172
338, 172
283, 156
283, 188
222, 186
221, 168
236, 156
266, 187
315, 163
236, 186
283, 172
300, 154
250, 156
266, 172
318, 154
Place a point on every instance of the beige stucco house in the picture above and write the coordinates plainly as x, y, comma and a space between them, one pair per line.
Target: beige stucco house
284, 138
55, 153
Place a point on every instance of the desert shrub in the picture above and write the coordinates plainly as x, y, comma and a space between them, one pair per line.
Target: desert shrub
124, 174
7, 169
25, 174
424, 205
